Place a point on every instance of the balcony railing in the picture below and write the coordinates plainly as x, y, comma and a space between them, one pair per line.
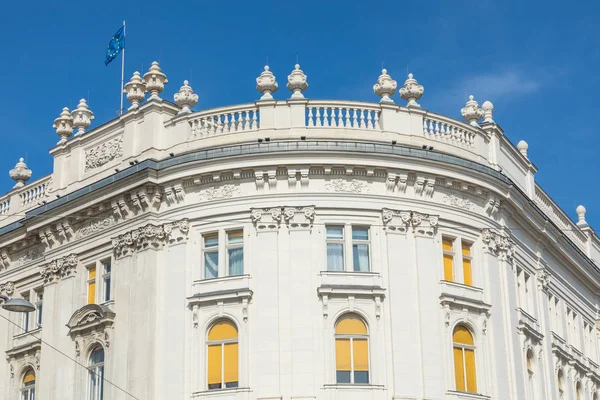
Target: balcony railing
349, 115
225, 120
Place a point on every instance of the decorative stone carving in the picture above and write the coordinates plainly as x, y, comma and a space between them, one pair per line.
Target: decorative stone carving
471, 112
30, 254
499, 244
297, 82
185, 98
135, 90
59, 268
488, 110
20, 174
412, 91
543, 279
97, 224
265, 219
266, 84
8, 288
492, 205
82, 117
63, 231
299, 217
5, 259
103, 153
581, 222
400, 221
174, 194
460, 202
424, 185
342, 185
385, 87
222, 192
92, 323
155, 81
150, 236
64, 125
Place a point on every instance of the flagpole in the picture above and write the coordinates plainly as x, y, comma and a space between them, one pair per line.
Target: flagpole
123, 68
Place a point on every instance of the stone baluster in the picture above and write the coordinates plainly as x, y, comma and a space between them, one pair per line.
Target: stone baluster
155, 81
266, 84
488, 110
471, 112
412, 91
20, 174
581, 222
64, 125
82, 117
297, 82
135, 89
522, 146
185, 98
385, 87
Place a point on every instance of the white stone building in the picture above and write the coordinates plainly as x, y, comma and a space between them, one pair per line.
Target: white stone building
294, 249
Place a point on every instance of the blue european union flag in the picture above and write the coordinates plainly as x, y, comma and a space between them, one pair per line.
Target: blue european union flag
117, 42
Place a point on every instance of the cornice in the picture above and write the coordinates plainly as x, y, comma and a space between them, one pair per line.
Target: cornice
150, 236
59, 268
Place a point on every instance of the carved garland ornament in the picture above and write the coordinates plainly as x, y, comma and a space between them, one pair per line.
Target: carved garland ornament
499, 244
223, 192
150, 236
341, 185
59, 268
103, 153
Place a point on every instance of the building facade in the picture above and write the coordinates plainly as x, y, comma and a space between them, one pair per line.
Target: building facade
294, 249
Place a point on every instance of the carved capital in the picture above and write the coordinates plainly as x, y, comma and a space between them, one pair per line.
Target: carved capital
266, 219
498, 244
401, 220
299, 217
59, 268
150, 236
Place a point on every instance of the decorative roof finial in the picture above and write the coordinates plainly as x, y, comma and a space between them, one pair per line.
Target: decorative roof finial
155, 81
412, 91
185, 98
522, 146
297, 82
82, 117
488, 110
135, 90
64, 125
266, 84
385, 87
20, 174
471, 112
581, 216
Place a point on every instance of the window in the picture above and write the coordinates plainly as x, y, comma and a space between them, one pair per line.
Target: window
464, 360
106, 270
25, 316
222, 345
96, 374
351, 350
235, 252
211, 256
91, 285
28, 386
360, 249
39, 307
335, 248
455, 267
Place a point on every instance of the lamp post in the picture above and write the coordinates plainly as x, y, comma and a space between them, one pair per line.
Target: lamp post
17, 305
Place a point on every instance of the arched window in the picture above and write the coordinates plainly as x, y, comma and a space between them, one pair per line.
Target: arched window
96, 374
351, 350
28, 386
464, 360
222, 347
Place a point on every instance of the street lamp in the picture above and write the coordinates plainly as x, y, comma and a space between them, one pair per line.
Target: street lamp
17, 305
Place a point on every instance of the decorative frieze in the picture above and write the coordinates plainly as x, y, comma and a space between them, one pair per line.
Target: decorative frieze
499, 244
222, 192
460, 202
344, 186
60, 268
150, 236
97, 224
103, 153
401, 220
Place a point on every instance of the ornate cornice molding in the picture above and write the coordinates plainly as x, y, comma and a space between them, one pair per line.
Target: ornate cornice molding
499, 244
60, 268
150, 236
401, 220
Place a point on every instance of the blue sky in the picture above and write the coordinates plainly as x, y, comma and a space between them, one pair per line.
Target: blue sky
536, 61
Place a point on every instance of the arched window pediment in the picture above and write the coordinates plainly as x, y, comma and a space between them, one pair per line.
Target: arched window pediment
90, 317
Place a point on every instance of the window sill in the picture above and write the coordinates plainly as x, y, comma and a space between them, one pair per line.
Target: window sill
25, 334
459, 295
219, 289
370, 281
227, 392
353, 386
26, 342
466, 395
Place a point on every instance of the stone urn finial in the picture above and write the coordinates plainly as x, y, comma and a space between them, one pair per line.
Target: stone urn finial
385, 87
412, 91
488, 111
580, 210
135, 89
82, 117
64, 125
185, 98
471, 112
522, 146
155, 81
20, 174
297, 82
266, 84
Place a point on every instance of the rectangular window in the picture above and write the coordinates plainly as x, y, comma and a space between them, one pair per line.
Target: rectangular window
39, 307
25, 317
91, 283
448, 259
360, 249
235, 252
466, 262
335, 248
211, 255
106, 271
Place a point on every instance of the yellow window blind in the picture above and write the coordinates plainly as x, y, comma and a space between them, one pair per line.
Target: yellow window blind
214, 364
447, 244
466, 251
231, 362
470, 367
91, 285
351, 326
29, 377
361, 354
459, 372
448, 275
222, 330
342, 354
462, 336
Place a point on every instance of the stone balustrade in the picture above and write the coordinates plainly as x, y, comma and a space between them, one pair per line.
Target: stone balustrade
225, 120
15, 202
337, 114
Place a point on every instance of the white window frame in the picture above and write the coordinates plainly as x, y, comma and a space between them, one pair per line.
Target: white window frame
347, 243
39, 305
341, 241
98, 370
233, 246
27, 392
222, 344
458, 259
462, 348
25, 317
222, 248
106, 276
91, 280
360, 241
